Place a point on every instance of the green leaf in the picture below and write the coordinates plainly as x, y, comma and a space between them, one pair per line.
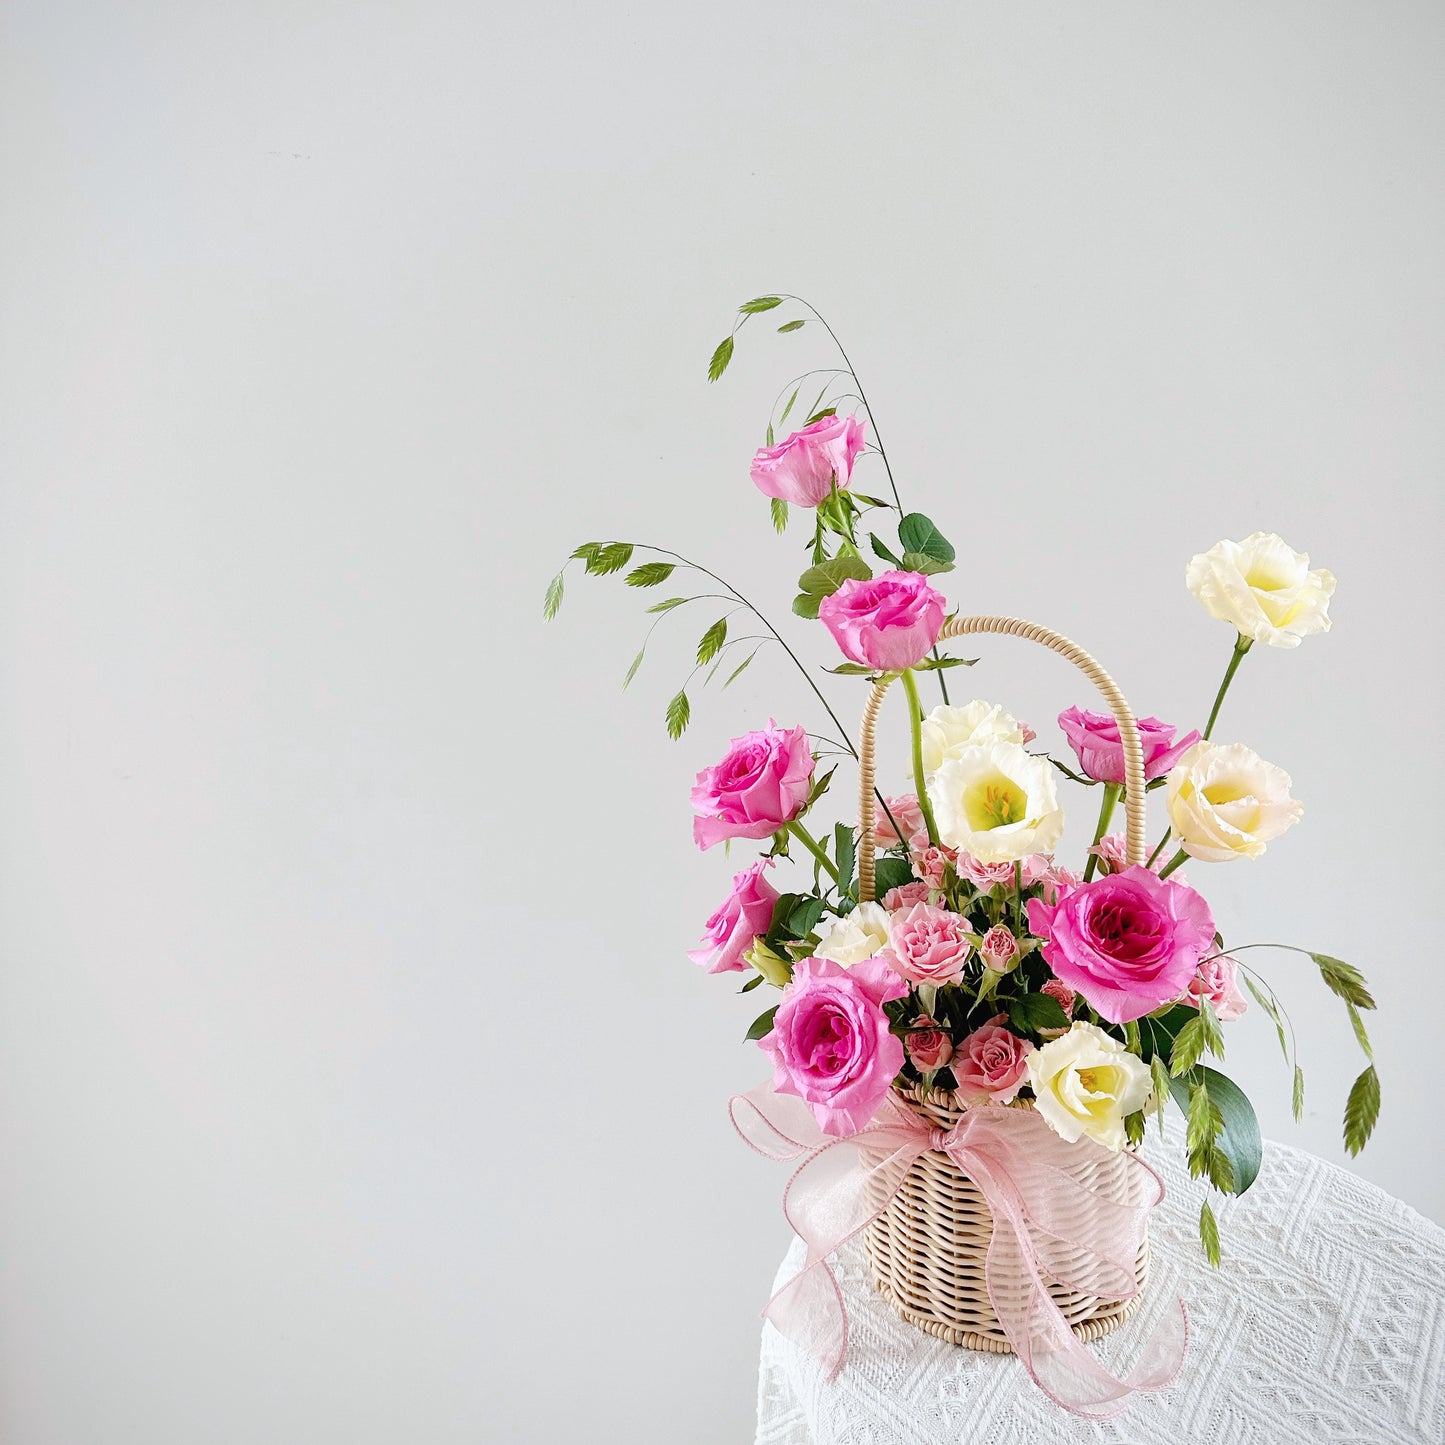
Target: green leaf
789, 406
845, 853
1344, 979
1209, 1233
780, 512
650, 574
1131, 1037
890, 873
760, 303
803, 918
754, 982
738, 671
820, 785
669, 604
882, 552
1031, 1012
720, 358
938, 664
679, 713
763, 1024
791, 326
636, 663
1239, 1142
851, 669
1297, 1104
611, 558
921, 562
827, 577
712, 640
1362, 1109
820, 414
806, 605
553, 600
917, 534
1359, 1027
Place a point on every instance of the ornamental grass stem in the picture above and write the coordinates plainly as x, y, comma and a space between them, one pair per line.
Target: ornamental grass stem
1106, 812
915, 728
1241, 646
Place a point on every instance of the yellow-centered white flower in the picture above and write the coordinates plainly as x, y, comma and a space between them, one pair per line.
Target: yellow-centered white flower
948, 730
858, 936
1226, 802
996, 802
1263, 587
1086, 1083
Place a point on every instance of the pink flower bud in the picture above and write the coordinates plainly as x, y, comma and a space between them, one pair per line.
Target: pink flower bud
999, 949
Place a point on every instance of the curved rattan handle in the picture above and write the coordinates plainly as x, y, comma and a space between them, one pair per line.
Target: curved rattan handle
1134, 801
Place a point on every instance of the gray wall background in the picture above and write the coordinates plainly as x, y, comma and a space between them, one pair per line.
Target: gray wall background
353, 1085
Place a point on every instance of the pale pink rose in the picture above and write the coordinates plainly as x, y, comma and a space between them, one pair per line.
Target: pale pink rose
1217, 979
887, 622
831, 1044
989, 1065
1112, 851
999, 949
906, 813
990, 875
761, 783
929, 1047
802, 467
1027, 733
744, 913
1057, 881
930, 863
1094, 737
928, 944
1061, 991
905, 896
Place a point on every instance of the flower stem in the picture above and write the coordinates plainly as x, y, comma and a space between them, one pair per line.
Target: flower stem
1159, 847
1106, 811
811, 844
1018, 897
1241, 646
1180, 857
915, 728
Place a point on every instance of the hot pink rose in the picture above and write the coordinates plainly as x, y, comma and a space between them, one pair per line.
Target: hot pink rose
929, 1047
990, 875
1128, 942
1094, 737
906, 813
887, 622
999, 949
1217, 979
802, 467
831, 1044
761, 783
928, 944
902, 898
744, 913
989, 1064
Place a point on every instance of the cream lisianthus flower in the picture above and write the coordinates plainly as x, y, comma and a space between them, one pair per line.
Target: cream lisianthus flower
1086, 1082
996, 802
1226, 802
1264, 588
948, 730
858, 936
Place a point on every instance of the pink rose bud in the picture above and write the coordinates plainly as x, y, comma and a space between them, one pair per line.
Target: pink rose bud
930, 863
1061, 991
762, 782
929, 1047
1217, 979
1094, 737
991, 875
999, 949
902, 898
928, 944
887, 622
1026, 731
802, 467
906, 813
744, 913
1113, 852
990, 1065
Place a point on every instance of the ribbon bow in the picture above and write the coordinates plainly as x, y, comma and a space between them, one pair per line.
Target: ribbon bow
1051, 1216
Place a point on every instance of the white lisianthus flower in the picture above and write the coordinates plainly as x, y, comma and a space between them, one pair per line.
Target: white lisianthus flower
948, 730
1086, 1082
1264, 588
858, 936
1226, 802
996, 802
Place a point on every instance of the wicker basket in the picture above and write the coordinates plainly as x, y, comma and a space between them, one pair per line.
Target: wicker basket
927, 1248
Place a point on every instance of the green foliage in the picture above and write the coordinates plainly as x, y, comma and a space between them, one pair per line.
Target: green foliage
1209, 1233
779, 510
760, 303
762, 1025
1237, 1135
845, 855
1134, 1128
922, 562
917, 534
1031, 1012
825, 579
1362, 1109
1271, 1007
711, 641
679, 714
552, 603
820, 414
1361, 1037
1344, 979
890, 873
720, 358
669, 604
1159, 1073
791, 326
1297, 1103
789, 406
882, 553
1198, 1034
1204, 1126
636, 663
741, 668
650, 574
939, 664
851, 669
600, 558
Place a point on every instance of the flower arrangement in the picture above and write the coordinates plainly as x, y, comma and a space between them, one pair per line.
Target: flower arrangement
978, 961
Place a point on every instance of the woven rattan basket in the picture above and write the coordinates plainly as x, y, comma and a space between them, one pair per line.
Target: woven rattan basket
927, 1248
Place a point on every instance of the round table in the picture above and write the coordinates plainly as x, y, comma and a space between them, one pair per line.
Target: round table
1325, 1322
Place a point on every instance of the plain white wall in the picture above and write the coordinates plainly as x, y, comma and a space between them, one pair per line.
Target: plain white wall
353, 1085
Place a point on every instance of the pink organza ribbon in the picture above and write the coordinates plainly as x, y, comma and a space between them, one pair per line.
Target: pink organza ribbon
1047, 1221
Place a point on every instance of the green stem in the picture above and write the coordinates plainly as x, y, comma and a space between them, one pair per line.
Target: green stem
1241, 646
1106, 811
1018, 898
1159, 847
915, 728
1173, 863
811, 844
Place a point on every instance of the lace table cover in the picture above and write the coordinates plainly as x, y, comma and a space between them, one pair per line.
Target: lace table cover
1325, 1323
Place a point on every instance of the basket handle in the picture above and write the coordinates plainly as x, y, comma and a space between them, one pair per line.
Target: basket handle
1134, 800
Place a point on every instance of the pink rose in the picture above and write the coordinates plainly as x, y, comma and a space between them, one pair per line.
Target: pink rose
1112, 851
897, 900
989, 1065
1061, 991
744, 913
930, 863
1217, 979
887, 622
929, 1048
928, 944
1094, 737
801, 469
999, 949
830, 1043
990, 875
1057, 880
906, 813
1128, 942
761, 783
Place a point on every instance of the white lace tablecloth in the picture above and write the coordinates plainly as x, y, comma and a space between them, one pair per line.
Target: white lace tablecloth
1325, 1323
